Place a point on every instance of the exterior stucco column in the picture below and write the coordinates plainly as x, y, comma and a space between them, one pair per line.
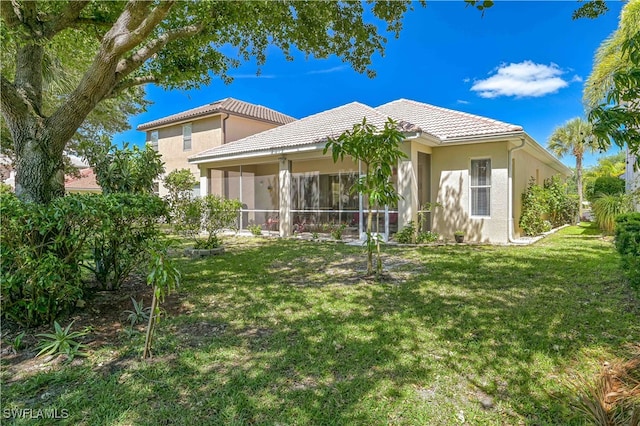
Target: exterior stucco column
204, 181
285, 197
407, 188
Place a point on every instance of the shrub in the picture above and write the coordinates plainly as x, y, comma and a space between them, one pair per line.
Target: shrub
125, 170
607, 185
547, 207
212, 214
407, 234
218, 214
179, 184
255, 229
129, 224
5, 188
427, 237
562, 208
533, 209
627, 240
337, 230
42, 247
607, 207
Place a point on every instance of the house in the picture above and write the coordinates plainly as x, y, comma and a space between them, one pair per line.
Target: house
82, 183
476, 168
179, 136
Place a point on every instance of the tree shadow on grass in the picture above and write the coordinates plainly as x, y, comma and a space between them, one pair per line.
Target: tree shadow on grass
262, 347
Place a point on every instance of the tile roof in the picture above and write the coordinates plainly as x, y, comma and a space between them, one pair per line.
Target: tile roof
85, 181
307, 131
445, 124
227, 105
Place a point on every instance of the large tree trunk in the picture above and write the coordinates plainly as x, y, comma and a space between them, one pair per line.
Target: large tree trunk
39, 171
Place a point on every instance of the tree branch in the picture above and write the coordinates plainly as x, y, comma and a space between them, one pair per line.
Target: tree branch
126, 84
66, 18
131, 28
10, 100
126, 66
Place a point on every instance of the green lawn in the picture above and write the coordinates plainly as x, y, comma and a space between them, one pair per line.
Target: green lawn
285, 332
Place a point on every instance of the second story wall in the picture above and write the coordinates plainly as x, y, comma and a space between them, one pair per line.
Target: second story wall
206, 133
241, 127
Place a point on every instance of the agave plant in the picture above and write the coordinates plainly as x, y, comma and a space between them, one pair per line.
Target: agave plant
139, 314
62, 341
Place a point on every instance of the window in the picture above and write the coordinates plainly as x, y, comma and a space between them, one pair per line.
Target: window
186, 137
154, 140
481, 187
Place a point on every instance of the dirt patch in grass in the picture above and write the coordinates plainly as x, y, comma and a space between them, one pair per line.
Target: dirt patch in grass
104, 318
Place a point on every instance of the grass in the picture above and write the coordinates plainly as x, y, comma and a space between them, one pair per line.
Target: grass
285, 332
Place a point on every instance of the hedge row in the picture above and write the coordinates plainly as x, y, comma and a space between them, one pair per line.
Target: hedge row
628, 245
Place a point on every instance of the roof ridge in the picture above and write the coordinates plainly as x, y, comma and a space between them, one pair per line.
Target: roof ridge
324, 123
215, 107
462, 113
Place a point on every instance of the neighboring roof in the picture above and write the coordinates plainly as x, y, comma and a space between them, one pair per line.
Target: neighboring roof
86, 181
227, 105
307, 131
445, 124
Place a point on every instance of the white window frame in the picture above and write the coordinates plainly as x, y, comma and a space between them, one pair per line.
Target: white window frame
153, 137
472, 186
187, 132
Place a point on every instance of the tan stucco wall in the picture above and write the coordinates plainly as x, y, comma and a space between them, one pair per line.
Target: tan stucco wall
241, 127
408, 205
323, 165
449, 183
450, 168
206, 133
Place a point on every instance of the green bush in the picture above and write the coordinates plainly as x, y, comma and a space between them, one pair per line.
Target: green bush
337, 230
562, 208
627, 240
606, 185
407, 234
179, 184
546, 207
42, 247
427, 237
124, 170
534, 207
211, 213
128, 225
255, 229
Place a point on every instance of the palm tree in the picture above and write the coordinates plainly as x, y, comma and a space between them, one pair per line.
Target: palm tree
609, 58
574, 138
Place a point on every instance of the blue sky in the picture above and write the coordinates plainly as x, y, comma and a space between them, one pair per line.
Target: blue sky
523, 62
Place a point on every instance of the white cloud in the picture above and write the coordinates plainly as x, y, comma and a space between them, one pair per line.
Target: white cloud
328, 70
466, 80
463, 102
525, 79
